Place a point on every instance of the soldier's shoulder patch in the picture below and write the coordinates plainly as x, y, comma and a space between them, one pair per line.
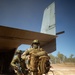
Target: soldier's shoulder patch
41, 49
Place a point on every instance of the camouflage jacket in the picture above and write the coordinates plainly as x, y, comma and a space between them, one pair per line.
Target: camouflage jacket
36, 52
16, 60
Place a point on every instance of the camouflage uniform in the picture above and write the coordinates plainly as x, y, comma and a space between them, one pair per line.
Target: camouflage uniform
19, 65
35, 54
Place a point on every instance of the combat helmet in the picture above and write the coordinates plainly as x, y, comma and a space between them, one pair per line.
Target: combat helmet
18, 52
35, 42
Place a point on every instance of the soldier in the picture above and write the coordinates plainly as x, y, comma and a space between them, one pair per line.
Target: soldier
34, 54
19, 64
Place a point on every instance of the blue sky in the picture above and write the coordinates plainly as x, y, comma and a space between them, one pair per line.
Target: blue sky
28, 14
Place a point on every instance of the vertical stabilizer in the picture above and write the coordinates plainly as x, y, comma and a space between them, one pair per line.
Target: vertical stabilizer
48, 23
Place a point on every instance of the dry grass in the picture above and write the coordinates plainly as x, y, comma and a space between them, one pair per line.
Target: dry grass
65, 64
63, 69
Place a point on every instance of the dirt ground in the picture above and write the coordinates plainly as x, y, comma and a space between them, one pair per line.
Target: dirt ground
62, 69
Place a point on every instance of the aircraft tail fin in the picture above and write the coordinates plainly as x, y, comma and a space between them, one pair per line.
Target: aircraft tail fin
48, 23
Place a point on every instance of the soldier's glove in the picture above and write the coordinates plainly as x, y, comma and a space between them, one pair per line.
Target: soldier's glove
16, 67
28, 57
15, 71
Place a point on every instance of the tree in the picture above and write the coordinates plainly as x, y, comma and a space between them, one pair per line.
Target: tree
52, 59
71, 56
61, 57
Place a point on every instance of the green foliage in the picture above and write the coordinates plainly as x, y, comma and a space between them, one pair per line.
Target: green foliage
52, 58
71, 56
61, 58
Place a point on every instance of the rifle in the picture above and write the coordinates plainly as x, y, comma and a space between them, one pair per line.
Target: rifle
18, 68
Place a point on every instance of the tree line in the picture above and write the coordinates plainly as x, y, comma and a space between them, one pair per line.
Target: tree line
61, 58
